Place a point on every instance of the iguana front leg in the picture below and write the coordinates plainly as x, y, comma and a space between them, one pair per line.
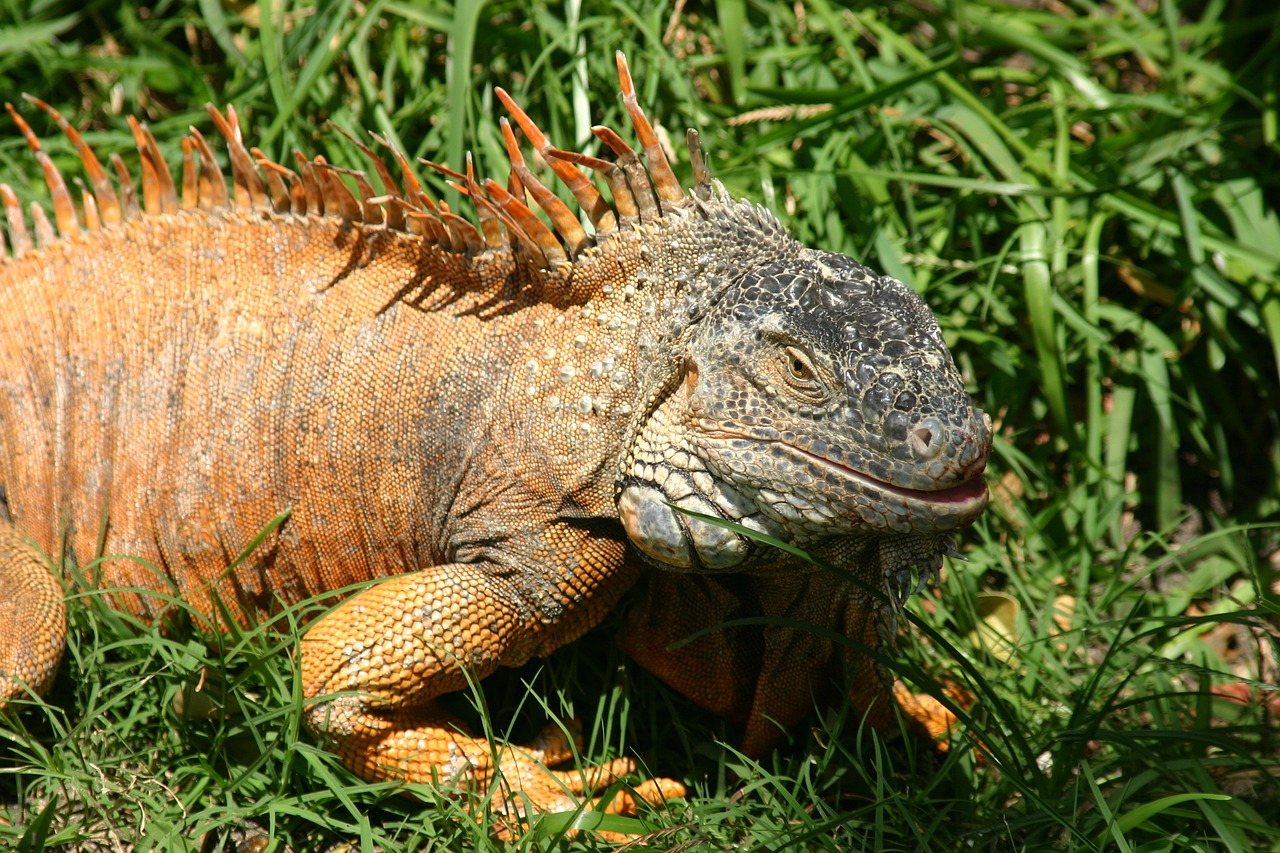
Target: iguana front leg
33, 618
378, 660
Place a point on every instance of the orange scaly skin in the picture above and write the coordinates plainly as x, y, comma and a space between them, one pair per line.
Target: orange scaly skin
487, 425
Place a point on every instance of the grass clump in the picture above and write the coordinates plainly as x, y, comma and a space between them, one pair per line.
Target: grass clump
1085, 193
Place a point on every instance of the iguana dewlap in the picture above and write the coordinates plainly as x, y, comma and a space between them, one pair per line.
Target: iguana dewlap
499, 425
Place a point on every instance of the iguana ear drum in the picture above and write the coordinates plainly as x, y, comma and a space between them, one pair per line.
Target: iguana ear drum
653, 527
675, 539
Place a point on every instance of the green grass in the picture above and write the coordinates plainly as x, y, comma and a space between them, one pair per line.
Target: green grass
1087, 196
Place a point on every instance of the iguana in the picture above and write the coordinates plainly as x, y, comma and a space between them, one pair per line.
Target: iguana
499, 425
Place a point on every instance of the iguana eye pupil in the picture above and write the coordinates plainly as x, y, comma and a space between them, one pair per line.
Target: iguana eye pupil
799, 367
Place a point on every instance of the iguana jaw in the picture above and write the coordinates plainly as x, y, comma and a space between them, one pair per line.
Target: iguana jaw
838, 501
963, 502
950, 506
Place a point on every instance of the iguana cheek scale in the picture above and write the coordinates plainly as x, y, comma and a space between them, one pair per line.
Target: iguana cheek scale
494, 425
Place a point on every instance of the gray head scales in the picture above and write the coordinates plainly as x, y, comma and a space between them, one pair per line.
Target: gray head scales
816, 401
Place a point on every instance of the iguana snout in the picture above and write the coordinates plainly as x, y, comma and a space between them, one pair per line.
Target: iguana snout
818, 399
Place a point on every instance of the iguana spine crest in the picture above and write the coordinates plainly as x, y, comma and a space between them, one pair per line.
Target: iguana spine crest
506, 221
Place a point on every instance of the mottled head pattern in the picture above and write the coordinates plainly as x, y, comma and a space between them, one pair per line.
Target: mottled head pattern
816, 400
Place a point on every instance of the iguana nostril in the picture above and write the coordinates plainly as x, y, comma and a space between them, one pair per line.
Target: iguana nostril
926, 439
920, 440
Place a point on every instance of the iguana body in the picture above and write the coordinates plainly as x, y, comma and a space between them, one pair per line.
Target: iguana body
495, 419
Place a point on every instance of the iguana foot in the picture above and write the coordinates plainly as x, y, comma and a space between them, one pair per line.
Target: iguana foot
929, 714
427, 746
569, 788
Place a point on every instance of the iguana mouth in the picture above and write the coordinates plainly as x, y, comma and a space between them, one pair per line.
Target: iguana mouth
964, 501
972, 491
967, 492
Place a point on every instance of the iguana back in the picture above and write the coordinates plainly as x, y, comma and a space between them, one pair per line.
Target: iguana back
168, 391
175, 383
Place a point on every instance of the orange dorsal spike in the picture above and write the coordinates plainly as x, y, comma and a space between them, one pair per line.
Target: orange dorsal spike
103, 193
19, 237
490, 224
128, 196
45, 235
493, 226
247, 185
190, 181
565, 223
515, 187
307, 173
413, 195
390, 187
284, 185
664, 179
213, 186
92, 219
364, 205
150, 182
465, 236
458, 236
623, 200
158, 192
338, 200
532, 226
633, 168
428, 225
64, 209
370, 202
587, 196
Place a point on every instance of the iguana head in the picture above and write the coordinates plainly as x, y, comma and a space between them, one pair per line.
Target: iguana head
789, 391
811, 399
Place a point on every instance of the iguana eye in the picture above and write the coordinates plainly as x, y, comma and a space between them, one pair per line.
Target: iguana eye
800, 371
799, 367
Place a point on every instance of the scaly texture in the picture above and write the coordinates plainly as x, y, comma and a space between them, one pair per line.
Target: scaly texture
503, 420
